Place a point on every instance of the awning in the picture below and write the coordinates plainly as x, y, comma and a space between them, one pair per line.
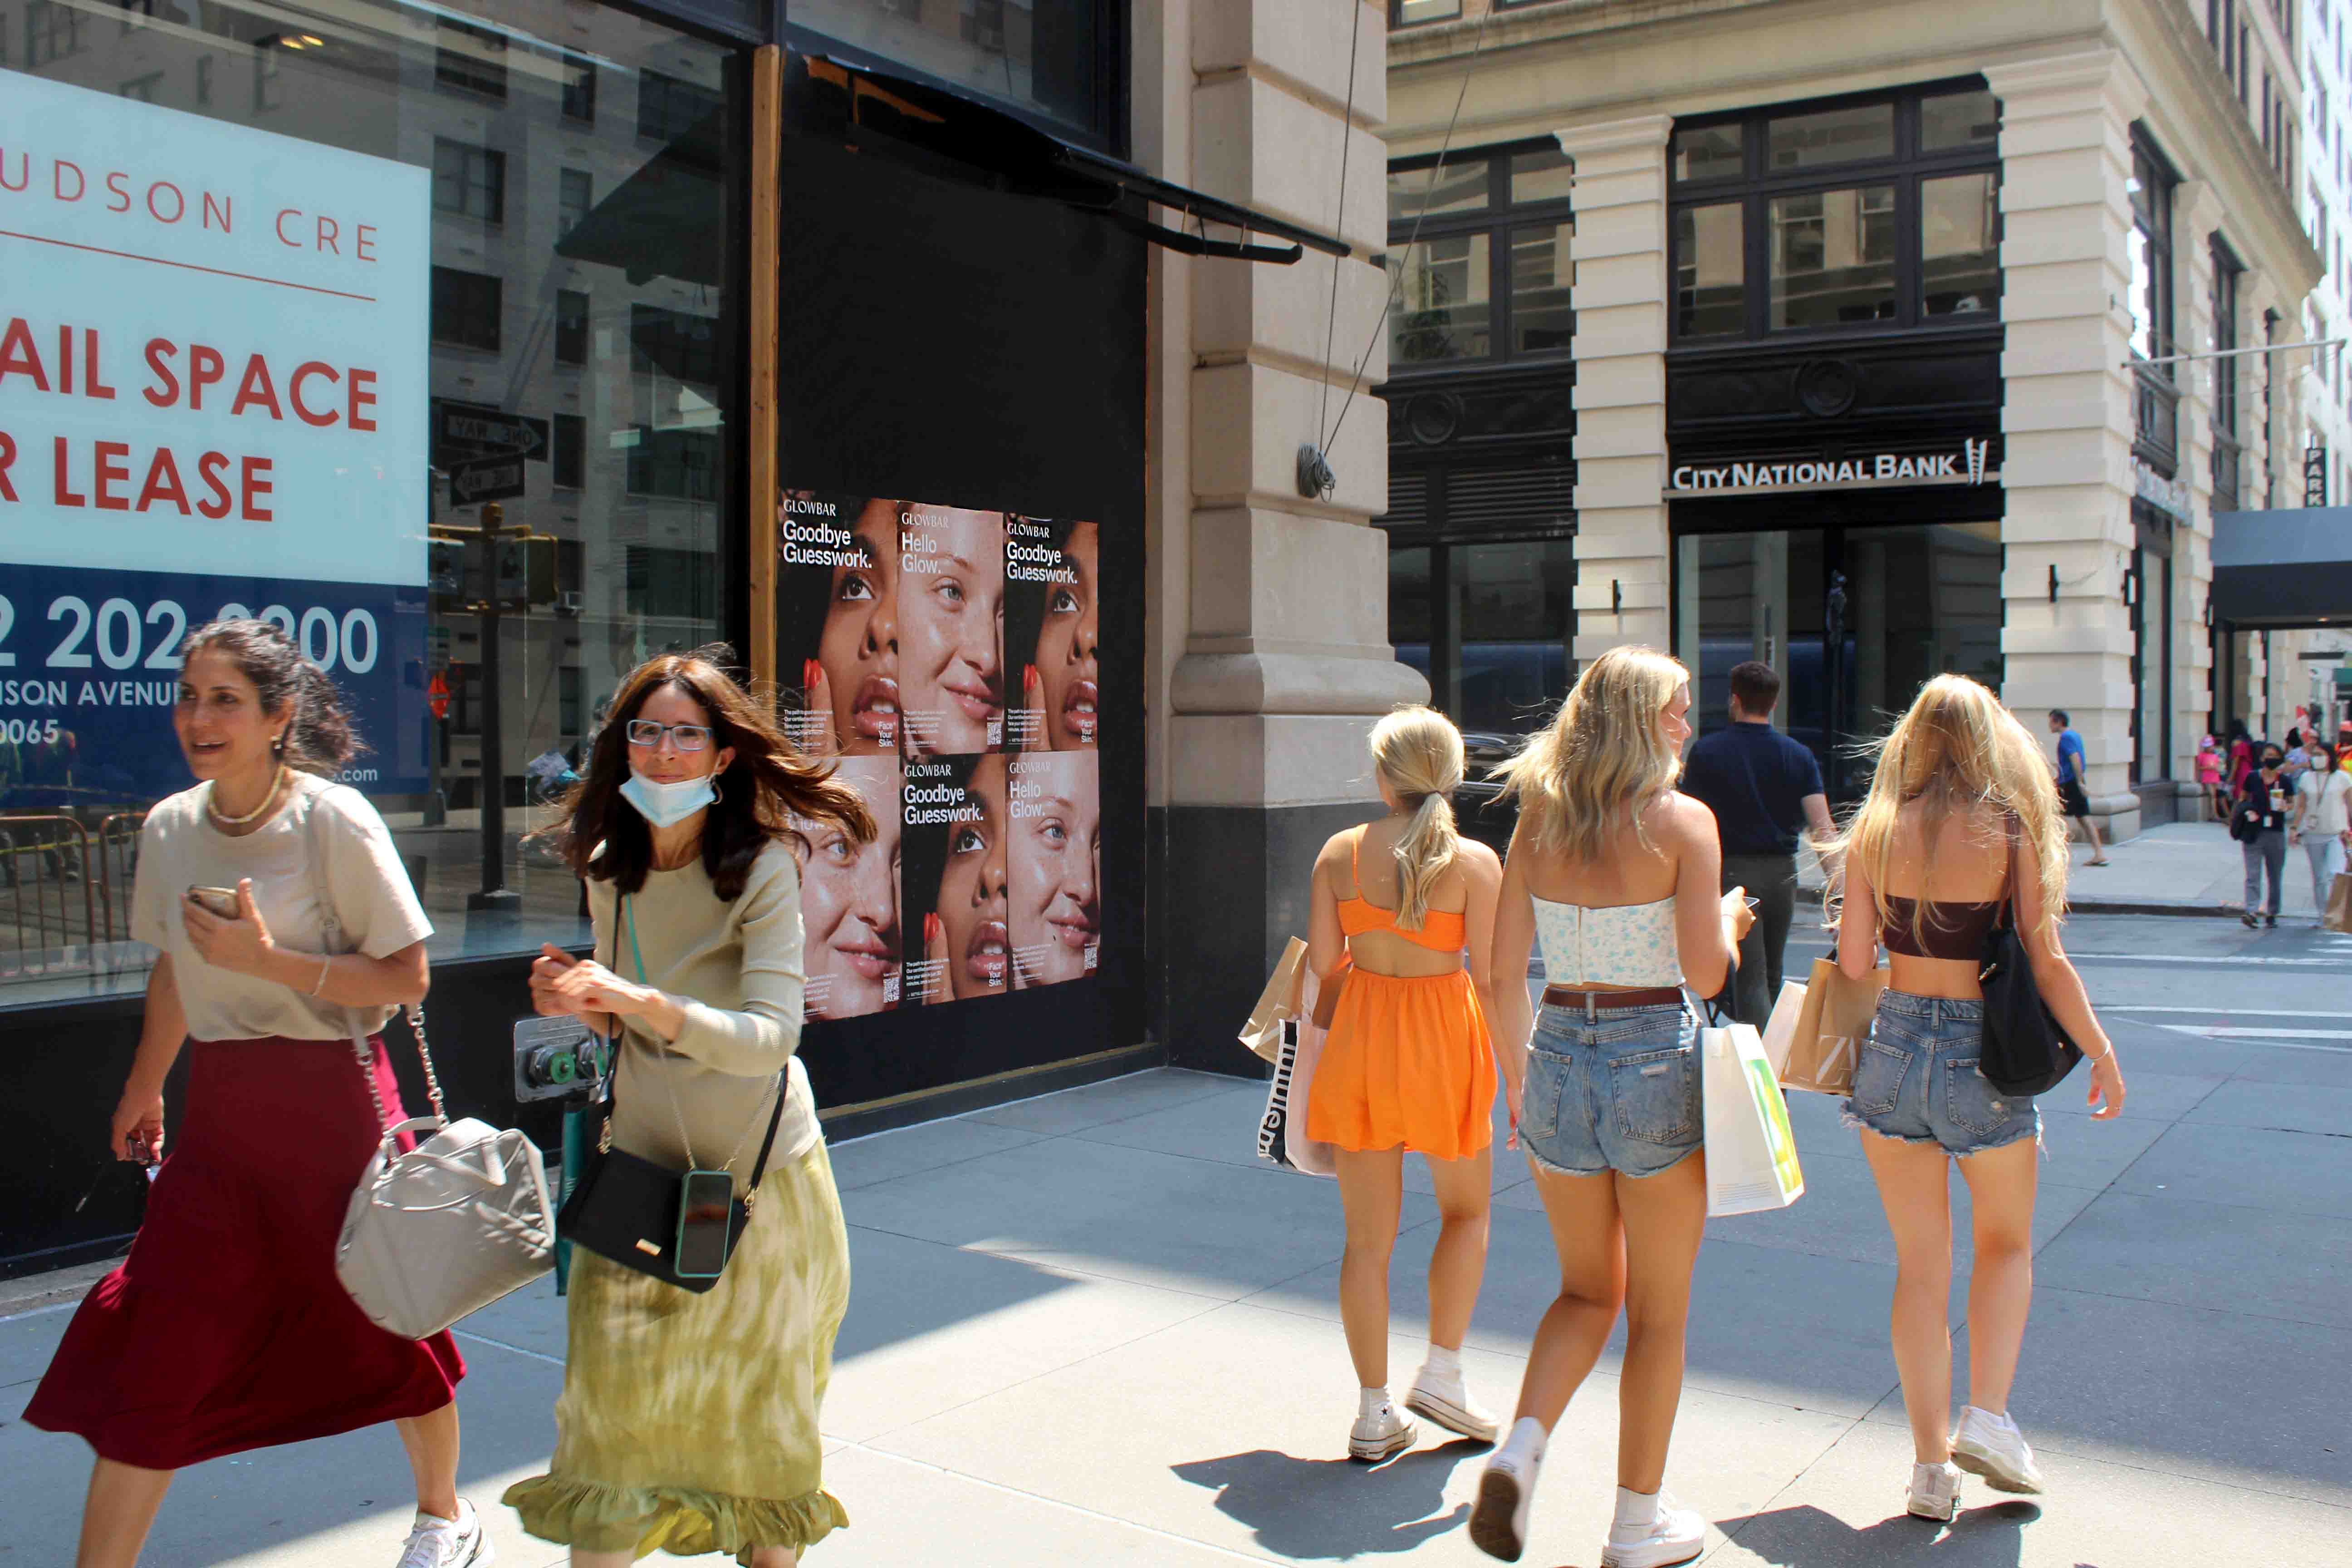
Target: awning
2289, 566
668, 217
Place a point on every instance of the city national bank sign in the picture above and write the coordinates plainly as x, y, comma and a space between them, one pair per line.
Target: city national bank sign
1966, 465
213, 402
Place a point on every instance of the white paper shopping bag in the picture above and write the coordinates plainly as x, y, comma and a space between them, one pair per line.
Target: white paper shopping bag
1282, 1130
1751, 1155
1781, 1029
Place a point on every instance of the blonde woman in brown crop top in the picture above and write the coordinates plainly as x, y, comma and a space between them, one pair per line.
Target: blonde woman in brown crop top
1959, 821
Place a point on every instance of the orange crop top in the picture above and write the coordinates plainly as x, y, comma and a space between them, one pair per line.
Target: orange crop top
1442, 931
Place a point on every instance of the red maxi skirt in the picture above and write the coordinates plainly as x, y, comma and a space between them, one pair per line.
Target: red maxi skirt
226, 1328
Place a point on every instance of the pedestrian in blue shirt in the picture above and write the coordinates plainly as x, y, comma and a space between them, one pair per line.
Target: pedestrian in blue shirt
2072, 775
1764, 789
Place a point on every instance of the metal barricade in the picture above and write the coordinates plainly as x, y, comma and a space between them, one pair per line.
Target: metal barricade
118, 868
48, 906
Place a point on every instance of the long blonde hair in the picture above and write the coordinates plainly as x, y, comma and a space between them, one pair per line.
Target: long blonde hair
1602, 753
1958, 749
1419, 754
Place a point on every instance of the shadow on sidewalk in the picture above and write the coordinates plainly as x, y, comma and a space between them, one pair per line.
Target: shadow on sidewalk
1313, 1510
1807, 1537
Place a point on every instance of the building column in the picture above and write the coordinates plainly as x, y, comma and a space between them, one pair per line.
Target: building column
1282, 657
1619, 248
2197, 214
2066, 413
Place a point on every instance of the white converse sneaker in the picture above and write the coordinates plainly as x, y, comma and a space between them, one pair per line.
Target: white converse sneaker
1673, 1535
1934, 1492
1498, 1521
460, 1542
1445, 1398
1990, 1446
1379, 1434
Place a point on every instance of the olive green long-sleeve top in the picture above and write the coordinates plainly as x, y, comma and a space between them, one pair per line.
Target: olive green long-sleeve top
738, 969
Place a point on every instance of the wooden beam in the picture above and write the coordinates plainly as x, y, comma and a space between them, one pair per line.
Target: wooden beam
765, 307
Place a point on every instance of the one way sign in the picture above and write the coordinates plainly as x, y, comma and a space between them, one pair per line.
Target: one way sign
496, 479
465, 431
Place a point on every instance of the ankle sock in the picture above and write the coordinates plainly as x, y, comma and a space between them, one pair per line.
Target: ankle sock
1370, 1402
1637, 1514
1524, 1444
1442, 1361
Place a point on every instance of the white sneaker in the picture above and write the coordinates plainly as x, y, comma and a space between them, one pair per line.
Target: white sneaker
460, 1542
1445, 1398
1384, 1432
1676, 1535
1934, 1492
1498, 1521
1990, 1446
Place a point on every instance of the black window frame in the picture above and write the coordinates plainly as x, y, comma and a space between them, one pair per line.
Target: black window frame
2229, 446
484, 169
669, 107
567, 451
579, 91
1756, 187
567, 217
571, 315
466, 72
2156, 390
1496, 220
448, 312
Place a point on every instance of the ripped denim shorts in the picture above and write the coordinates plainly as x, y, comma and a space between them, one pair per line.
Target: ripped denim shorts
1917, 1079
1617, 1089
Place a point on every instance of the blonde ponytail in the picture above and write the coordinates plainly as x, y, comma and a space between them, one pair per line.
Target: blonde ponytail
1419, 754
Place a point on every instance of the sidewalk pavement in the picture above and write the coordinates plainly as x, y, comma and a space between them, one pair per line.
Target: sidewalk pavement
2175, 868
1090, 1329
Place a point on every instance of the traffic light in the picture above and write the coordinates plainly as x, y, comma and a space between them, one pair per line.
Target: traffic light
445, 567
526, 573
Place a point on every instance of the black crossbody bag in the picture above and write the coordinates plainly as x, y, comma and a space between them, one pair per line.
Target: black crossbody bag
626, 1207
2024, 1051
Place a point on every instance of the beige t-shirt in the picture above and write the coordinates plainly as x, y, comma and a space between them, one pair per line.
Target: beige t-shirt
180, 848
738, 967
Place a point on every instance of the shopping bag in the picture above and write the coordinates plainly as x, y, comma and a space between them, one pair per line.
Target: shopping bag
1781, 1029
1282, 1131
2339, 904
1279, 1001
1751, 1155
1825, 1041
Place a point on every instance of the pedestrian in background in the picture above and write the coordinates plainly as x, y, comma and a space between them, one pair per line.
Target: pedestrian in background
1765, 789
688, 1421
1407, 1064
1958, 825
2074, 794
2208, 780
1616, 873
2262, 804
2242, 756
2322, 819
226, 1328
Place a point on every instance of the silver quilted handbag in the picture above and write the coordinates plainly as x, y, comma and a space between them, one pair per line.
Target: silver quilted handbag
451, 1226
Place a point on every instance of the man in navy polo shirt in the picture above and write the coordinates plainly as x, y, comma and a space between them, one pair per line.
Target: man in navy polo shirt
1764, 789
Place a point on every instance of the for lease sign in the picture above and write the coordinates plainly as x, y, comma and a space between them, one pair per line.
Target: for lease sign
213, 398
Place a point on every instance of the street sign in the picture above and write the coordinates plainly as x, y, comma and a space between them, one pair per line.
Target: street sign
437, 696
2315, 476
464, 431
489, 478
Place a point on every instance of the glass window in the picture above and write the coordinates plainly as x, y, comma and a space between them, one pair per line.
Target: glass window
1408, 12
668, 108
466, 307
1957, 121
1042, 56
1708, 152
1959, 251
1408, 606
1515, 617
471, 58
1832, 255
1710, 271
1542, 318
1434, 189
569, 456
571, 327
580, 90
574, 194
52, 31
1442, 310
1831, 136
1546, 175
469, 180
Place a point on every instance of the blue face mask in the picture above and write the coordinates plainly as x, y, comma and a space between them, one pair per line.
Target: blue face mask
665, 804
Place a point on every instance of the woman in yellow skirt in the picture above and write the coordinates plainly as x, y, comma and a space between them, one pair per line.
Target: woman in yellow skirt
1407, 1064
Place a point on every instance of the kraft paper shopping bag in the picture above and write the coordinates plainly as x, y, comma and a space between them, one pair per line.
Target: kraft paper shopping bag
1278, 1002
1826, 1040
2338, 916
1751, 1154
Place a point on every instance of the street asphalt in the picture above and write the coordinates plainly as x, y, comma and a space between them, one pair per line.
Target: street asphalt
1091, 1329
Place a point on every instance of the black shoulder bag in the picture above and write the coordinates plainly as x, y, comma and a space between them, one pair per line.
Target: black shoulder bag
2246, 821
2024, 1051
626, 1207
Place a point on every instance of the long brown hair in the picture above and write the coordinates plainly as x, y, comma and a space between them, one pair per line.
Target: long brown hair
761, 791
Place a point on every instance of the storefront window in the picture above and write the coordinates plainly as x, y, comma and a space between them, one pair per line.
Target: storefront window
1832, 257
441, 262
1042, 57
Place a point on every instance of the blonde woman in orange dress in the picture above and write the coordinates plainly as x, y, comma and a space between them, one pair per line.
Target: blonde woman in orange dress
1408, 1065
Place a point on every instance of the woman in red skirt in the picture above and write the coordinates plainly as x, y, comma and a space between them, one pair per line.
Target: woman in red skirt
226, 1328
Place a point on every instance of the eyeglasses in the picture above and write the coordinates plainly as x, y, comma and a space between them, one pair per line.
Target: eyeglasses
689, 737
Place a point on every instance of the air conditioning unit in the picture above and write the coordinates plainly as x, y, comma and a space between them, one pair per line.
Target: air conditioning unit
568, 602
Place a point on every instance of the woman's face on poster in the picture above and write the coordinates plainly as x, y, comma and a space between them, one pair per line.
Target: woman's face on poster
1069, 677
951, 624
971, 933
849, 899
1056, 896
857, 652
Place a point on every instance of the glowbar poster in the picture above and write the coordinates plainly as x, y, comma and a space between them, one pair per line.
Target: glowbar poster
212, 401
948, 655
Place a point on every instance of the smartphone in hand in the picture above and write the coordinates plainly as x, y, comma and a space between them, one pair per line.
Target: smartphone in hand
221, 901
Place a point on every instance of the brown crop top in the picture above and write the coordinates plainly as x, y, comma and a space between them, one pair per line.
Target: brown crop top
1951, 931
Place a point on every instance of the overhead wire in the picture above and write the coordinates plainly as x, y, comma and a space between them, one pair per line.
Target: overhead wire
1339, 216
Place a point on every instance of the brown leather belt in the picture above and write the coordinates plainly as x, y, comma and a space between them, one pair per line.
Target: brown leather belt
1600, 1001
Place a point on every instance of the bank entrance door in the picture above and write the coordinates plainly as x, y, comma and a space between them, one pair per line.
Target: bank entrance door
1854, 618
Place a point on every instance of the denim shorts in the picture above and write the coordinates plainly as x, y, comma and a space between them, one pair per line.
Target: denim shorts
1616, 1091
1917, 1079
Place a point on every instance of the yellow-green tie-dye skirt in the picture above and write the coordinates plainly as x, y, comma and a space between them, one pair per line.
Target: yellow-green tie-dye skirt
688, 1423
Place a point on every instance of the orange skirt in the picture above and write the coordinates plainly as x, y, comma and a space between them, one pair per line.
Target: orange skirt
1407, 1061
